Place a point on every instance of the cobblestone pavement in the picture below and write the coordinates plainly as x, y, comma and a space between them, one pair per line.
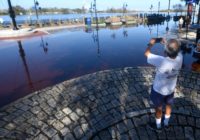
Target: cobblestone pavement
112, 104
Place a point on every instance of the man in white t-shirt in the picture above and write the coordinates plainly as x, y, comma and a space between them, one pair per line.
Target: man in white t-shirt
180, 23
1, 20
167, 70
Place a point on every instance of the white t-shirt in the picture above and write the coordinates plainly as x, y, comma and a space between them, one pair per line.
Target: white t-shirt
167, 70
181, 21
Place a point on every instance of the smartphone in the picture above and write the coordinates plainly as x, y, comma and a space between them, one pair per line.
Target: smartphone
158, 40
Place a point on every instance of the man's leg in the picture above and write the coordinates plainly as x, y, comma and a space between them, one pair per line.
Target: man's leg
169, 100
157, 100
158, 116
167, 114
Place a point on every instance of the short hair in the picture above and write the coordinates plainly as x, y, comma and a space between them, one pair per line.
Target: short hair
173, 48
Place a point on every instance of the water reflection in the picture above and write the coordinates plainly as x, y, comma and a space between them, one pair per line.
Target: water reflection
96, 40
26, 68
76, 52
44, 45
113, 35
167, 28
125, 33
95, 37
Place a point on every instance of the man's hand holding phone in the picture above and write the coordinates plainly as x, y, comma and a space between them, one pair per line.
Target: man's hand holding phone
157, 40
151, 44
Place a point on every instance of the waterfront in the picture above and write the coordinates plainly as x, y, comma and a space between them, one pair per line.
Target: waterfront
27, 18
32, 64
86, 77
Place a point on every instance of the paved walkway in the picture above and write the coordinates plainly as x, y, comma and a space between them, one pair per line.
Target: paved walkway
112, 104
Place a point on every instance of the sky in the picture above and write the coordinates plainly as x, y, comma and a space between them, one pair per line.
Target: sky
101, 4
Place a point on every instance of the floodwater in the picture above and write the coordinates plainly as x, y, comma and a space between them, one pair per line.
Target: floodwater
32, 64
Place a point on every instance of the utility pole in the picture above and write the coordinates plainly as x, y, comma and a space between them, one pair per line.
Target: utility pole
95, 10
36, 10
194, 13
125, 5
151, 8
91, 10
169, 6
12, 15
198, 15
158, 7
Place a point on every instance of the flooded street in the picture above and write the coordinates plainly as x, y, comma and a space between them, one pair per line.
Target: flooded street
33, 64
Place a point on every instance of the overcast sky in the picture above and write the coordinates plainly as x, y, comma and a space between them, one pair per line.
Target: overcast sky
101, 4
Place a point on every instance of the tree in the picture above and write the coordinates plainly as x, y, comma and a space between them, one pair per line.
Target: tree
65, 10
195, 1
3, 12
78, 10
178, 8
114, 10
19, 10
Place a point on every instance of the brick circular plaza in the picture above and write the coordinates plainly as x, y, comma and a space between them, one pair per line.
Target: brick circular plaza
111, 104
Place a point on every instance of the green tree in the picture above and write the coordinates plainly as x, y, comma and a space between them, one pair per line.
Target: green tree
65, 10
18, 10
178, 8
78, 10
197, 1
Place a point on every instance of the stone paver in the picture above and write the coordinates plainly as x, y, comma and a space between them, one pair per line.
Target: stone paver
111, 104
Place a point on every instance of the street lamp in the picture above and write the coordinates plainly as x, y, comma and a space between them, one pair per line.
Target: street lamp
91, 10
36, 4
158, 7
151, 8
169, 7
95, 10
12, 15
125, 5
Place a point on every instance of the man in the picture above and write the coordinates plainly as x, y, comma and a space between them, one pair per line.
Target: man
167, 69
1, 20
180, 23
